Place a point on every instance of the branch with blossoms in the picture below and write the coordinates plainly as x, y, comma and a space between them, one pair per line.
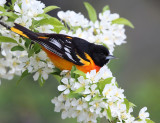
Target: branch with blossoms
87, 97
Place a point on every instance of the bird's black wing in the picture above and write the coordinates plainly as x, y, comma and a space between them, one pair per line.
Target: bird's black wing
69, 48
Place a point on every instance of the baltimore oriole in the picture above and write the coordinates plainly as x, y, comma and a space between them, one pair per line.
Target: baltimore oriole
65, 51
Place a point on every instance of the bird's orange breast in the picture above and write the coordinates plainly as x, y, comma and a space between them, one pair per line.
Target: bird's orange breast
63, 64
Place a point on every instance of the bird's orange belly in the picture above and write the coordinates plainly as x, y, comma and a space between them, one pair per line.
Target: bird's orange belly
63, 64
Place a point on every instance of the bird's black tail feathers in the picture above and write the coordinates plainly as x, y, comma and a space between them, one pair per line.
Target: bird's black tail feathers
24, 32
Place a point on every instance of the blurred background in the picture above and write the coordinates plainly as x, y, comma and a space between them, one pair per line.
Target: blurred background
137, 70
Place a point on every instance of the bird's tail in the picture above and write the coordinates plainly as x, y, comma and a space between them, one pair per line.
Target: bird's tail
21, 31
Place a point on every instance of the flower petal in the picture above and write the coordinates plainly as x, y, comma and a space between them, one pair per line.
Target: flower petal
61, 87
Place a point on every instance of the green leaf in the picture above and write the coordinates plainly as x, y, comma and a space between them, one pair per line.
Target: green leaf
17, 48
50, 8
78, 72
36, 48
116, 83
7, 39
58, 26
127, 104
98, 120
74, 95
105, 8
91, 12
79, 90
109, 115
30, 52
57, 77
27, 42
131, 104
41, 81
9, 14
123, 21
24, 74
97, 97
149, 121
49, 21
102, 84
72, 71
13, 2
56, 71
2, 9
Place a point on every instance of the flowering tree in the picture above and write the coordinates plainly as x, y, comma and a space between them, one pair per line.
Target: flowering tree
87, 97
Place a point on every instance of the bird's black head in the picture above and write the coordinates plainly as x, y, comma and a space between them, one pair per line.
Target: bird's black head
100, 55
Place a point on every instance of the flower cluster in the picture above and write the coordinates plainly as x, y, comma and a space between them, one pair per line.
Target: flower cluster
102, 31
86, 97
16, 62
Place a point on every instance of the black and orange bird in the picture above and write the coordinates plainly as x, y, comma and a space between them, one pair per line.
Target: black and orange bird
65, 51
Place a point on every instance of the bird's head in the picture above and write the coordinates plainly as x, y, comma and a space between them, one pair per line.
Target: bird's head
100, 55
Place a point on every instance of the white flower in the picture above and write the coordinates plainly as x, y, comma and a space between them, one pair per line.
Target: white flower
97, 106
45, 29
81, 83
107, 16
93, 76
80, 104
58, 101
25, 64
24, 21
66, 87
43, 73
2, 2
143, 115
105, 72
91, 92
74, 19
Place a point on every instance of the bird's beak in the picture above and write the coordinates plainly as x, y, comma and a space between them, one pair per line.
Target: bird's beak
110, 57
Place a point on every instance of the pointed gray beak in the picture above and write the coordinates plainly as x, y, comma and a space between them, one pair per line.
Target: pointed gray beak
110, 57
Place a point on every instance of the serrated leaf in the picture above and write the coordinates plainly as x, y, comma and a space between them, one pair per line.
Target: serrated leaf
127, 104
102, 84
50, 8
74, 95
7, 39
79, 90
109, 115
123, 21
24, 74
91, 12
105, 8
149, 121
17, 48
78, 72
72, 71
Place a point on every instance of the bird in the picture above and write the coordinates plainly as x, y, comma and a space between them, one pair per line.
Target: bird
66, 51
